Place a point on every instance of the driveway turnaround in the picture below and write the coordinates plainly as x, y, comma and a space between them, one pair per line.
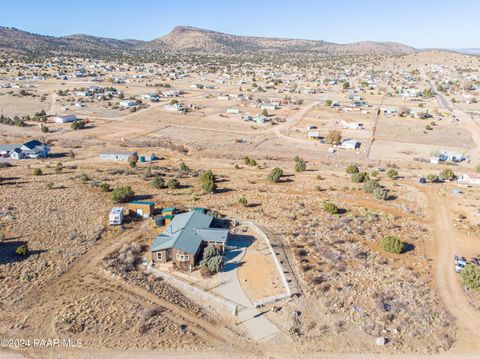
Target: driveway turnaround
257, 324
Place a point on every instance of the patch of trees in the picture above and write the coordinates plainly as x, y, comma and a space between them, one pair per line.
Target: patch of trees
122, 194
15, 121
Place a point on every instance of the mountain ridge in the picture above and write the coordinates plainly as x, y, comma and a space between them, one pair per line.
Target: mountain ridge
188, 40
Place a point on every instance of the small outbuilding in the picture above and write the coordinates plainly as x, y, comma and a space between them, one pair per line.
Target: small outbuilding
142, 209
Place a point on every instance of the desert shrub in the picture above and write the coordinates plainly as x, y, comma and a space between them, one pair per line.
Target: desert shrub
157, 182
37, 172
58, 167
50, 185
183, 167
360, 177
370, 186
275, 175
78, 125
84, 178
122, 194
392, 244
374, 173
132, 164
125, 259
173, 183
392, 173
352, 169
447, 174
104, 187
243, 201
330, 208
2, 236
432, 177
250, 161
300, 165
380, 193
22, 250
470, 275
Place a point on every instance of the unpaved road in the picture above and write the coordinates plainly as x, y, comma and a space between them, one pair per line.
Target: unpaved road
447, 281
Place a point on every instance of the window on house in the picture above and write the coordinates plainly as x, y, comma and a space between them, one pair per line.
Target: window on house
182, 257
159, 256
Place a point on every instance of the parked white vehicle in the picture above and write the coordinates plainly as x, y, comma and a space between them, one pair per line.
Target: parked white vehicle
116, 216
460, 262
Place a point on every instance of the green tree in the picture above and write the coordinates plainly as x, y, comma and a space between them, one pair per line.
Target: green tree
157, 182
392, 244
352, 169
183, 167
300, 165
470, 275
275, 175
207, 180
432, 177
173, 183
447, 174
380, 193
392, 173
212, 259
37, 172
330, 208
122, 194
360, 177
369, 186
328, 103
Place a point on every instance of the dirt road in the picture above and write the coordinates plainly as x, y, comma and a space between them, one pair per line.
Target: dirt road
447, 281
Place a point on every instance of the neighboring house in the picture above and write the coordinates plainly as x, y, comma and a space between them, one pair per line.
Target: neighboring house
116, 155
183, 240
127, 103
233, 111
65, 119
260, 119
350, 144
269, 106
31, 149
470, 178
173, 107
352, 125
451, 156
313, 135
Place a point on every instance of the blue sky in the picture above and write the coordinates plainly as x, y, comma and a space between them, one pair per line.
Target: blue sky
421, 23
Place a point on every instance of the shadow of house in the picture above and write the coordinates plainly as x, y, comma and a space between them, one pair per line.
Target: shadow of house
8, 255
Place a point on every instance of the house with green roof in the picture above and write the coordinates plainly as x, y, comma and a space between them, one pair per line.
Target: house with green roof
184, 239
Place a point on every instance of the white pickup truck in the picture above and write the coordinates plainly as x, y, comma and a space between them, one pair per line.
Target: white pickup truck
460, 262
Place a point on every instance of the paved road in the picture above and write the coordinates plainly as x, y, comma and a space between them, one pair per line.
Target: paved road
257, 324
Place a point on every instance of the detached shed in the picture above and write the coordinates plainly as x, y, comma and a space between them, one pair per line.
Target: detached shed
116, 155
143, 209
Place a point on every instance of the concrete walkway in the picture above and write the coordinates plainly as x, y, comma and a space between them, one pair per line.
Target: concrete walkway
256, 323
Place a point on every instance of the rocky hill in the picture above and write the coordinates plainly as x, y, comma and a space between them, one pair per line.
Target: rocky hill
184, 39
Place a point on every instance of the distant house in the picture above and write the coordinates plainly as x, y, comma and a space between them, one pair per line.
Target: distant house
451, 156
116, 155
32, 149
350, 144
313, 135
470, 178
65, 119
127, 103
233, 111
260, 119
173, 107
352, 125
269, 106
183, 240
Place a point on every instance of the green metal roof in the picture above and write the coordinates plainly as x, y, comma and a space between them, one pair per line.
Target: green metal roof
171, 209
187, 231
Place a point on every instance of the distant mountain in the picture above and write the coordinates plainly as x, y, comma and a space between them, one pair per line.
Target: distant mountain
469, 51
24, 42
185, 40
